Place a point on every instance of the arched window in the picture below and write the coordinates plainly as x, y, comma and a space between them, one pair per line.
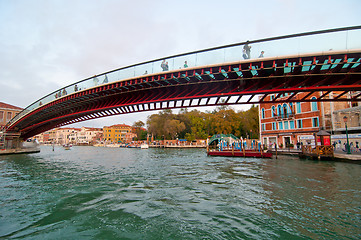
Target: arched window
285, 109
313, 104
292, 110
279, 110
273, 111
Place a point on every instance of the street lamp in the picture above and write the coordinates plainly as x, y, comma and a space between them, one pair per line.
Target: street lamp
348, 145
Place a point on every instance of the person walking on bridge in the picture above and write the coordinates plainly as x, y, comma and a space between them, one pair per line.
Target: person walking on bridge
247, 51
163, 65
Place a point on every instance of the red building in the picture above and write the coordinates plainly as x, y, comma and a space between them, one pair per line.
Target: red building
289, 123
7, 112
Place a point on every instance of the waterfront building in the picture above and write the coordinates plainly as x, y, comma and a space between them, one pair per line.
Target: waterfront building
116, 133
89, 136
75, 136
289, 124
65, 135
129, 137
7, 112
58, 136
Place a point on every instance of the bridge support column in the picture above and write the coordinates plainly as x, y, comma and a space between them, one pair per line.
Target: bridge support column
10, 140
12, 143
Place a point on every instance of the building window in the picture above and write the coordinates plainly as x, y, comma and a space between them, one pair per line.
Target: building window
279, 110
313, 104
280, 125
299, 123
263, 113
291, 108
271, 97
286, 125
298, 107
285, 109
1, 115
315, 122
292, 124
274, 126
273, 111
263, 127
8, 116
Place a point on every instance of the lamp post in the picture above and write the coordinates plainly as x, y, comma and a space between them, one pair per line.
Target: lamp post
348, 145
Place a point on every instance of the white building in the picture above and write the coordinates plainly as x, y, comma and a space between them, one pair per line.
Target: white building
76, 136
89, 136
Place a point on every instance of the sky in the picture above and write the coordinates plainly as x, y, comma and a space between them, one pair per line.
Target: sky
48, 44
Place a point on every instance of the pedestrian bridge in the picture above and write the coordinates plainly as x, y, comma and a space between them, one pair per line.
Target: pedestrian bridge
324, 61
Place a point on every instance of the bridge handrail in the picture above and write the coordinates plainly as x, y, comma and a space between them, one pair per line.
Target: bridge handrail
331, 39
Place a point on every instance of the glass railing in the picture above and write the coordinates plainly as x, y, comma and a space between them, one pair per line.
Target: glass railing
319, 41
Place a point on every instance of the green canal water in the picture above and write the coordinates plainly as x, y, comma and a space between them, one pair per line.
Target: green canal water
117, 193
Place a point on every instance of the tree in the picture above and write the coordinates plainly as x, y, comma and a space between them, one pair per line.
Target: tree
199, 125
249, 123
173, 127
138, 124
155, 125
139, 130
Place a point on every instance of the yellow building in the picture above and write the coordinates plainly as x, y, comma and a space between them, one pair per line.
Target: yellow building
116, 133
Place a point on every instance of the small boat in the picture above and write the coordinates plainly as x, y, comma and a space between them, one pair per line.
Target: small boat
144, 146
30, 143
133, 146
67, 146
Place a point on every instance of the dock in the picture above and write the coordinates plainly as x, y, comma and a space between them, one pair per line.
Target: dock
338, 156
19, 151
319, 151
344, 157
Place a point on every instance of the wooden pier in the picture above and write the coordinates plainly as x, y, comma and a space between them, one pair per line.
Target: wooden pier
319, 152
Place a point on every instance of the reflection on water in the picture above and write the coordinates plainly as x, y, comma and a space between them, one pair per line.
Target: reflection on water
115, 193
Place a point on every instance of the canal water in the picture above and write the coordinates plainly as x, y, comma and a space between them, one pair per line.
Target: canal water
118, 193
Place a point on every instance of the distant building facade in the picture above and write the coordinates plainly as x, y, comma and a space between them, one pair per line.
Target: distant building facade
7, 112
89, 136
75, 136
119, 133
290, 124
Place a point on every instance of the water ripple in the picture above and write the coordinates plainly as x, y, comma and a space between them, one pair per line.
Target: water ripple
103, 193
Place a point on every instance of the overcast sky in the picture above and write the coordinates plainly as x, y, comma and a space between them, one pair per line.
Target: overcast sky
48, 44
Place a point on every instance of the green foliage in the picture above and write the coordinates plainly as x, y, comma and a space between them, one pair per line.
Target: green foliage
140, 131
199, 125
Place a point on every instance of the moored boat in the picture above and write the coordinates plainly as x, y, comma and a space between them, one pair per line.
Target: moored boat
67, 146
144, 146
231, 146
237, 153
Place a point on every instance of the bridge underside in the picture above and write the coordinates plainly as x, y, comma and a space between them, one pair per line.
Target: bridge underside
244, 82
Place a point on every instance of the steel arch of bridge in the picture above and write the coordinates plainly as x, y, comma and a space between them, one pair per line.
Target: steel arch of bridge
241, 82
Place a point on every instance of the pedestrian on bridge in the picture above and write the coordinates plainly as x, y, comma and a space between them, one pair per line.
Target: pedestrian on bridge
163, 65
247, 51
261, 55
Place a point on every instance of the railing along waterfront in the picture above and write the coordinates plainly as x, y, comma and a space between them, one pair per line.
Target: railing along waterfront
318, 151
318, 41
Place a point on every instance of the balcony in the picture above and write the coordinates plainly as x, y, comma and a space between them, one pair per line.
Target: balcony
289, 116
